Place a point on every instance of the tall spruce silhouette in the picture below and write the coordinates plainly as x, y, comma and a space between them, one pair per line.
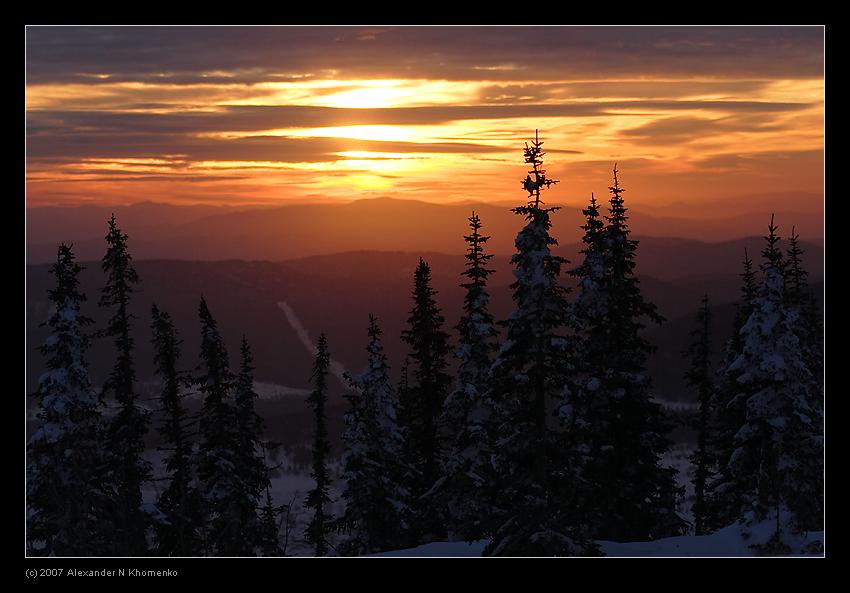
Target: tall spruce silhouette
128, 427
530, 375
377, 512
251, 448
468, 413
584, 410
178, 534
422, 401
722, 501
631, 495
699, 376
801, 299
318, 498
70, 501
228, 500
799, 295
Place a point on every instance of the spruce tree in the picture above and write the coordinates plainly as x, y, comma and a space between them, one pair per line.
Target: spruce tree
699, 376
178, 535
590, 305
129, 426
631, 496
722, 502
467, 418
799, 295
423, 401
252, 464
269, 527
801, 299
377, 505
318, 498
271, 515
228, 502
530, 379
776, 466
584, 409
69, 497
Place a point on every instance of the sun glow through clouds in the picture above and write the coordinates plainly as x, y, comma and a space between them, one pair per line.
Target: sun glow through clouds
404, 118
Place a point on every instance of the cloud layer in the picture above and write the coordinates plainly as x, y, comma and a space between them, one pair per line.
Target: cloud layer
269, 114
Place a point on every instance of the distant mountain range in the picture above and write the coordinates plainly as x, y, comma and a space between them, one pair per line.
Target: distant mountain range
209, 233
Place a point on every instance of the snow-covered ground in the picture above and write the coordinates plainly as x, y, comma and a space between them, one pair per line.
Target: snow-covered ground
440, 549
726, 542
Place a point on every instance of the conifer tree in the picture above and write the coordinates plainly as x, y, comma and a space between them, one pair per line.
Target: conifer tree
722, 503
467, 416
129, 426
228, 502
796, 284
630, 494
776, 467
269, 516
798, 294
809, 330
269, 527
590, 304
318, 498
423, 400
178, 535
69, 497
377, 512
699, 376
584, 410
530, 378
252, 465
749, 289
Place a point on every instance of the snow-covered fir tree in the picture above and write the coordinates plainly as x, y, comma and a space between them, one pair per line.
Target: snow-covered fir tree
699, 376
377, 509
588, 318
530, 379
467, 418
421, 403
722, 502
178, 502
318, 498
128, 427
228, 501
776, 467
69, 497
630, 495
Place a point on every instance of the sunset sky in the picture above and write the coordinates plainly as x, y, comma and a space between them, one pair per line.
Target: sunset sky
272, 115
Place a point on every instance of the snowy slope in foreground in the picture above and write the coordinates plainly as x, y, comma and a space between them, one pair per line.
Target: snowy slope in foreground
435, 549
725, 542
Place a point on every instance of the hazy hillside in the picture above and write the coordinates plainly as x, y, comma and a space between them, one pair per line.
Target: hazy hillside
334, 294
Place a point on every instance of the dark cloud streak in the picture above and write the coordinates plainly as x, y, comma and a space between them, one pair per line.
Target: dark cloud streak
252, 54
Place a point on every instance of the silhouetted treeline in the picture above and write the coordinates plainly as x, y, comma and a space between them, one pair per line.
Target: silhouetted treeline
546, 440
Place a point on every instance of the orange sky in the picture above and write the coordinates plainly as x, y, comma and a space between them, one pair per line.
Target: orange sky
245, 116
